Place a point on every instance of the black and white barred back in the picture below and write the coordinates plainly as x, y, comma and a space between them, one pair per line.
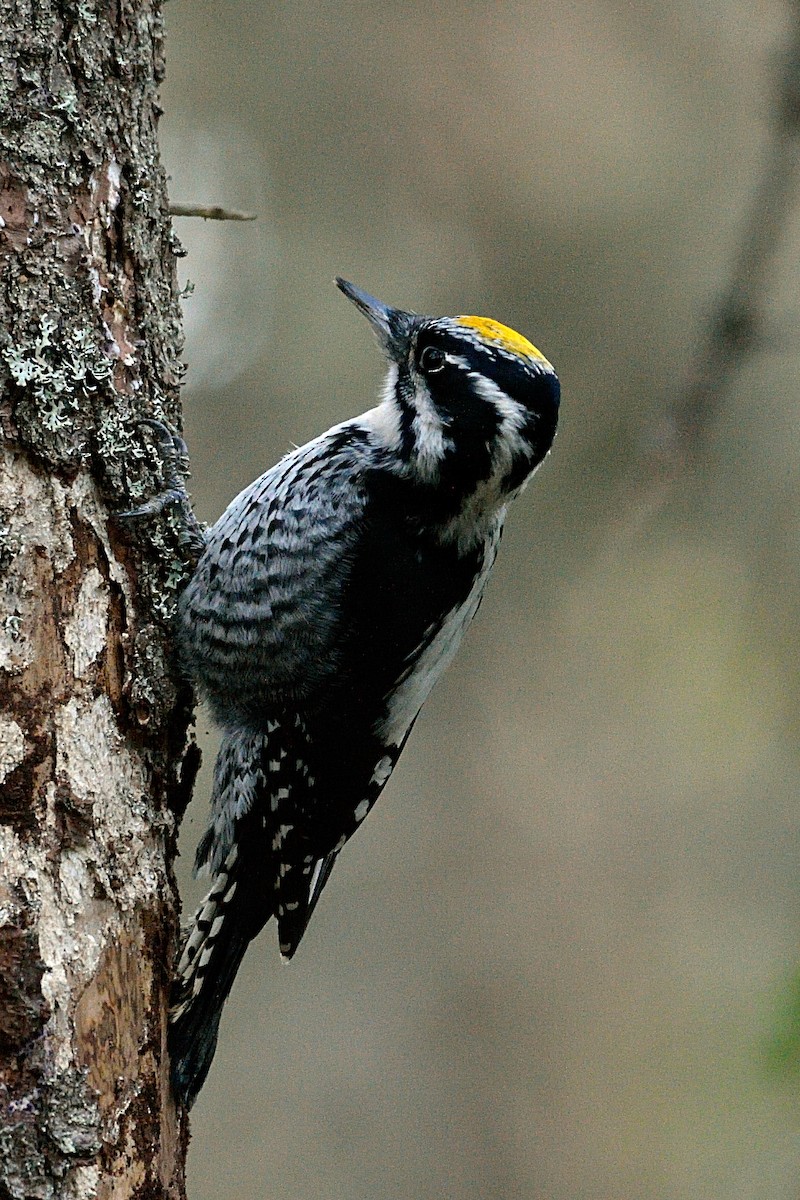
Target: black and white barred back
329, 598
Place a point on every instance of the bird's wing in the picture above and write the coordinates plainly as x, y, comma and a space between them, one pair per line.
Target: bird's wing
263, 605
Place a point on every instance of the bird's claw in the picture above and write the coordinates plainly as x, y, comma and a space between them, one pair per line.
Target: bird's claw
174, 457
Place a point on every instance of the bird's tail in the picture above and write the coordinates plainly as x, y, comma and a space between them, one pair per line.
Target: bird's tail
233, 912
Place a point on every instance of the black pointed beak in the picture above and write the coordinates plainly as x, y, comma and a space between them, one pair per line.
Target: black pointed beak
392, 326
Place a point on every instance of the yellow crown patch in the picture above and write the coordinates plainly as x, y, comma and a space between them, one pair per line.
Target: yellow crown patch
506, 339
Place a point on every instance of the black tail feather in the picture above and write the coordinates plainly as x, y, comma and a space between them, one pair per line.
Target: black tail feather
193, 1032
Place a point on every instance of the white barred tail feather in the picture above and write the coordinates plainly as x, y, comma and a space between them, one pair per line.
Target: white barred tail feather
235, 910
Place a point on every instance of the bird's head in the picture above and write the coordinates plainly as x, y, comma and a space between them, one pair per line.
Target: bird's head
470, 407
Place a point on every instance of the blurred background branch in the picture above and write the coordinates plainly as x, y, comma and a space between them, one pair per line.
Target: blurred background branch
736, 327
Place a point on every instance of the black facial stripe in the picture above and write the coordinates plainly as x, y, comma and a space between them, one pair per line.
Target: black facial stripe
404, 391
471, 424
541, 423
538, 431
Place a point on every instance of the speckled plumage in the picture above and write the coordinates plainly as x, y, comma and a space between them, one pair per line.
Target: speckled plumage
328, 599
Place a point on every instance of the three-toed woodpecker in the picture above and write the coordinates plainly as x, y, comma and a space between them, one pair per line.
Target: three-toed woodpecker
327, 601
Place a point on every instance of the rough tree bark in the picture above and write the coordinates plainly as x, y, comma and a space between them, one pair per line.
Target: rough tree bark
92, 726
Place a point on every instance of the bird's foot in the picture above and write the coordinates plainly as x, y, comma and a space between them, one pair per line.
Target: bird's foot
175, 461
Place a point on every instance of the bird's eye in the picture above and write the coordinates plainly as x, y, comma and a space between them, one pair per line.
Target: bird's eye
432, 360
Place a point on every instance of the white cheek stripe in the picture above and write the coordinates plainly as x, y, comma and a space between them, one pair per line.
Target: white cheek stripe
429, 438
508, 442
511, 411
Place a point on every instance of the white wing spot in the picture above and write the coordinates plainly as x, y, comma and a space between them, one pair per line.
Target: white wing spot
362, 810
382, 771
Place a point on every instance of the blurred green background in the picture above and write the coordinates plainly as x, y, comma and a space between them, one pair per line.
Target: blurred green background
554, 963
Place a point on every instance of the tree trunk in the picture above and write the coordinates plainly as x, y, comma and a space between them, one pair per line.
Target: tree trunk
92, 724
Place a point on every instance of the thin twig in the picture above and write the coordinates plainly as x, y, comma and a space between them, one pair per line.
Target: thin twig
211, 212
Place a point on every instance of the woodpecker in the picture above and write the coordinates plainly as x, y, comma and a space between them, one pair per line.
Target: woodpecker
326, 602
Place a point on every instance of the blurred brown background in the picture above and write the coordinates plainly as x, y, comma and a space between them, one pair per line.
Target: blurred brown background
552, 963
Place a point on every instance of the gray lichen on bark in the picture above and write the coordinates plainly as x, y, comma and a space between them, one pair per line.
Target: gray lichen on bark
92, 721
